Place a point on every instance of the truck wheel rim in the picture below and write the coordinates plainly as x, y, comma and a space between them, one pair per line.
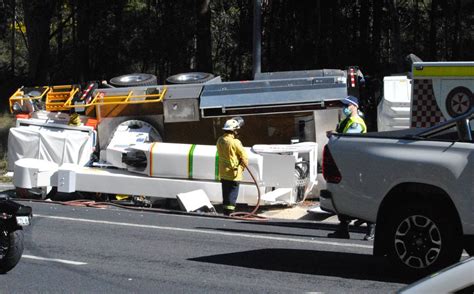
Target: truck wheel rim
417, 241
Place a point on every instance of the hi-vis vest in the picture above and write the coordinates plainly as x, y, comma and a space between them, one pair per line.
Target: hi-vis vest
232, 158
348, 121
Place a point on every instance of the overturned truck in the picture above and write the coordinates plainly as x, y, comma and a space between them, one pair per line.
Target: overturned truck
132, 136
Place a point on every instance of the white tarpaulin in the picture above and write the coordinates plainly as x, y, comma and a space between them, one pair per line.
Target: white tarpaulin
53, 144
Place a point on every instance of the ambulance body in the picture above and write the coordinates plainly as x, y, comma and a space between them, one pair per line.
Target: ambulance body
441, 90
433, 92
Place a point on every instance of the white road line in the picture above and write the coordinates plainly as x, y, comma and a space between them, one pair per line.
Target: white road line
206, 232
53, 259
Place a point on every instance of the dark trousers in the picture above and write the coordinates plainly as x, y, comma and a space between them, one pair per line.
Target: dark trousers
230, 191
344, 224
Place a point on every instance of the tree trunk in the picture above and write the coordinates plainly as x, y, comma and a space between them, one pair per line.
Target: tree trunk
268, 41
395, 36
317, 33
448, 28
37, 15
305, 22
364, 58
376, 33
119, 54
59, 37
74, 40
333, 36
244, 41
204, 46
12, 61
146, 60
415, 34
457, 28
433, 29
83, 35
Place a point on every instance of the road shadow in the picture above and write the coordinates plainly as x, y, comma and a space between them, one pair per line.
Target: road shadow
313, 262
315, 233
258, 232
307, 225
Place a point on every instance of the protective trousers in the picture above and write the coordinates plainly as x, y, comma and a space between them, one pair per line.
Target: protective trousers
230, 191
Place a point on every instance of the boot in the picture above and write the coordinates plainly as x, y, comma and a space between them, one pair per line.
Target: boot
227, 212
342, 231
339, 234
370, 232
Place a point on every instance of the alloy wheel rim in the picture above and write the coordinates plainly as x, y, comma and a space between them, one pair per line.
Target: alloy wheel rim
418, 241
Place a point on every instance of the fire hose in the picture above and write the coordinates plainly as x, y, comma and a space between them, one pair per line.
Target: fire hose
250, 215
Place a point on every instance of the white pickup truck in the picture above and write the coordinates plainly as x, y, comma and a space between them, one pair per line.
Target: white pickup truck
416, 184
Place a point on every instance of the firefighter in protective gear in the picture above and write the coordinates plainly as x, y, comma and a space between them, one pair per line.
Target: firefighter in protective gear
232, 161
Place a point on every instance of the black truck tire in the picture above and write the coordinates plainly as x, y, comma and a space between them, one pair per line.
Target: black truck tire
422, 239
134, 79
11, 249
190, 78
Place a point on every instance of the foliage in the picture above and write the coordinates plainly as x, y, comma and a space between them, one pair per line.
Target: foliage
6, 121
74, 41
3, 170
93, 40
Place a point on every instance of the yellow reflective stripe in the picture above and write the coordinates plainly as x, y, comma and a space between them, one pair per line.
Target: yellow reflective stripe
151, 158
355, 119
229, 207
190, 161
216, 167
443, 71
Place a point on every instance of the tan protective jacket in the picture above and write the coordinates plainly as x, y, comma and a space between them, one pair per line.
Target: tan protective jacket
232, 157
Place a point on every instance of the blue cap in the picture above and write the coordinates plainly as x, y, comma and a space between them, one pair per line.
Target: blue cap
351, 100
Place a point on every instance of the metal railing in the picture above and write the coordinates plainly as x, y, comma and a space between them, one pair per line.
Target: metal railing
64, 98
20, 97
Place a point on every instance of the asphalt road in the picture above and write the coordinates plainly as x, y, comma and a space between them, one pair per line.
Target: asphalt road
91, 250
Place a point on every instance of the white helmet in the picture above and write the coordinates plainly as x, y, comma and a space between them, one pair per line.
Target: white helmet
231, 125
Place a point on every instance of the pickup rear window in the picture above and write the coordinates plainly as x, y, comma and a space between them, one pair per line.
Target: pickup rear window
450, 134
